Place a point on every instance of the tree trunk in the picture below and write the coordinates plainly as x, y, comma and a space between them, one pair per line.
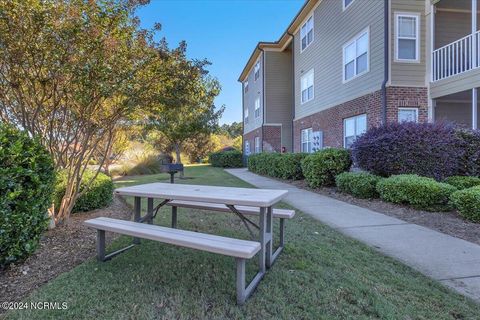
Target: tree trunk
178, 156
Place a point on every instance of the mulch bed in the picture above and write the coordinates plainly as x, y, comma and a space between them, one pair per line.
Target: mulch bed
447, 222
60, 250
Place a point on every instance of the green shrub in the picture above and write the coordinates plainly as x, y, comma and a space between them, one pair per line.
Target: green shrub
27, 178
98, 195
289, 166
320, 168
467, 203
226, 159
358, 184
463, 182
419, 192
264, 163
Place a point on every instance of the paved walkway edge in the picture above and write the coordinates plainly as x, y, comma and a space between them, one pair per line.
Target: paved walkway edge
452, 261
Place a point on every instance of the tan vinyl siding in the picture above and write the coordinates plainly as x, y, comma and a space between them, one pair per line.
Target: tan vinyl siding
333, 28
278, 92
465, 81
410, 74
451, 26
255, 90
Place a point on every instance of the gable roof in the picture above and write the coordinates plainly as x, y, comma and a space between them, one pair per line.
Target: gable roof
284, 40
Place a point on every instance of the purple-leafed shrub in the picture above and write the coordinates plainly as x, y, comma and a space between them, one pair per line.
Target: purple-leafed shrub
470, 142
426, 149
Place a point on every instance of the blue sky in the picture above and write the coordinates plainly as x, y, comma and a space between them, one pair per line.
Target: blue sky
223, 31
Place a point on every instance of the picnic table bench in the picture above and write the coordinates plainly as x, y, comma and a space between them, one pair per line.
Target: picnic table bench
240, 201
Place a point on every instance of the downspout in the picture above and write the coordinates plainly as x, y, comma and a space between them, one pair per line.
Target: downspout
264, 107
386, 60
293, 87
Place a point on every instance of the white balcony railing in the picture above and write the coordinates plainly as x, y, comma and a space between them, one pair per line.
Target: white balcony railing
456, 57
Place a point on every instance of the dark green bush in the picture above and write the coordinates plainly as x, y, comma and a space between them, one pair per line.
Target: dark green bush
320, 168
290, 166
358, 184
98, 195
27, 178
463, 182
226, 159
419, 192
467, 203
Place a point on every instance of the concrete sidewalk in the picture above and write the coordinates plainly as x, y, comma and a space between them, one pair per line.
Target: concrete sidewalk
452, 261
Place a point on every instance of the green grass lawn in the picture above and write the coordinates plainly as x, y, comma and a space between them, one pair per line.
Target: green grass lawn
320, 275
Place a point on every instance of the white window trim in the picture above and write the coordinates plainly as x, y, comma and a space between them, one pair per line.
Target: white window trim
254, 66
255, 107
257, 145
245, 117
245, 86
345, 7
308, 141
313, 32
409, 109
313, 86
417, 40
349, 42
345, 127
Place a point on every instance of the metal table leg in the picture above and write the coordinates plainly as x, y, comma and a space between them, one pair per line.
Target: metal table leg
150, 210
137, 208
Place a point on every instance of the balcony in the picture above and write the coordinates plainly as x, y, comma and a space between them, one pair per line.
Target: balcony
457, 57
456, 38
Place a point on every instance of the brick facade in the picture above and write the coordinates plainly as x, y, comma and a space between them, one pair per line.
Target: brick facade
270, 138
330, 121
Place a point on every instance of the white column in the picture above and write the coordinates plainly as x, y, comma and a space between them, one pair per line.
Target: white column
474, 30
474, 108
431, 110
432, 39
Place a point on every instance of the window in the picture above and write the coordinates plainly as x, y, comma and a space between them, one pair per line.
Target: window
246, 115
407, 37
245, 86
408, 115
347, 3
352, 128
355, 56
247, 147
257, 70
257, 108
306, 33
257, 144
306, 84
306, 140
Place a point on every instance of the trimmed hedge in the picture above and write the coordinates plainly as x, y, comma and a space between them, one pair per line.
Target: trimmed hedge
470, 157
463, 182
358, 184
226, 159
27, 178
290, 166
99, 195
419, 192
467, 203
427, 149
320, 168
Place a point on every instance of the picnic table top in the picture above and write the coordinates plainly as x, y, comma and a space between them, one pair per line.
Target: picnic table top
224, 195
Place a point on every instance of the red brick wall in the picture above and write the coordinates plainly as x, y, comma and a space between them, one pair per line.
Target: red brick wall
251, 139
272, 138
330, 121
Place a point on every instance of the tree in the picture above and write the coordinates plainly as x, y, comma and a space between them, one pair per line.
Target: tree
69, 74
233, 130
185, 109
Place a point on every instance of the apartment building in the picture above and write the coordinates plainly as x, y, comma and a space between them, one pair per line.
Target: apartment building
343, 66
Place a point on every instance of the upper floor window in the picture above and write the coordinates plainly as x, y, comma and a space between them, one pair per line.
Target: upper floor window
306, 84
352, 128
257, 144
306, 33
246, 115
245, 86
346, 3
355, 56
257, 70
257, 107
306, 140
408, 115
407, 37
